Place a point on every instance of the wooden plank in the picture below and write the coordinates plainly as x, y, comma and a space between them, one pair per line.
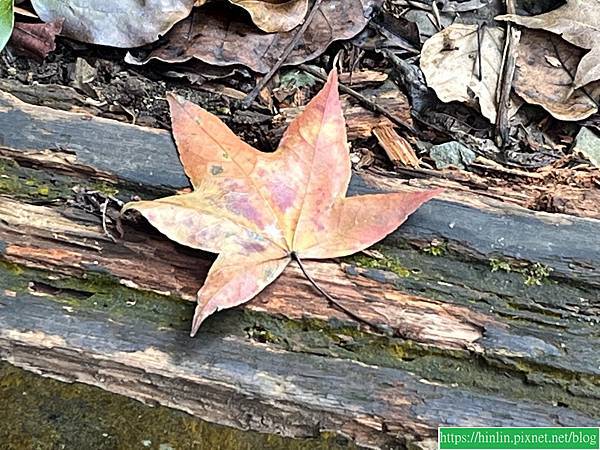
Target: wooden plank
480, 226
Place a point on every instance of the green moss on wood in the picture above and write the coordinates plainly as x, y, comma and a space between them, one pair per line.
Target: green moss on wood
40, 413
533, 274
513, 378
53, 186
25, 183
458, 368
436, 248
381, 262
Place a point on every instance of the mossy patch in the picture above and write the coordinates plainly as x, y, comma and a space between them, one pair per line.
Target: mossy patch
436, 248
24, 183
380, 262
34, 185
533, 274
40, 413
458, 368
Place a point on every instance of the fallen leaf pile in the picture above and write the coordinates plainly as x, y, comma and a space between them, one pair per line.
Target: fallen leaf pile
557, 66
216, 32
217, 37
258, 210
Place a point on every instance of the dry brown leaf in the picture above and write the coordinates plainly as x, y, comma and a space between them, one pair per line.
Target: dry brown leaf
578, 22
275, 16
35, 39
539, 81
220, 39
450, 63
119, 23
588, 144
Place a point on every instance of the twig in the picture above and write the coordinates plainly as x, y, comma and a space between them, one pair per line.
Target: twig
104, 226
507, 73
331, 300
362, 100
299, 33
436, 14
479, 41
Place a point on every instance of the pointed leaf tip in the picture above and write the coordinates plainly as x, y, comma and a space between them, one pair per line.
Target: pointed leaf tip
332, 78
199, 317
174, 99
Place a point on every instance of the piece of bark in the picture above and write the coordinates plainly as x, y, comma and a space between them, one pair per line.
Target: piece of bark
397, 149
359, 120
228, 380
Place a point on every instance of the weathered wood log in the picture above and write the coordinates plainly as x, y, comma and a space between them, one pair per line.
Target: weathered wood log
460, 338
147, 156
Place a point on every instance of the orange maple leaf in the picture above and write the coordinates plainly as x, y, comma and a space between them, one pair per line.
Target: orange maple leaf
259, 210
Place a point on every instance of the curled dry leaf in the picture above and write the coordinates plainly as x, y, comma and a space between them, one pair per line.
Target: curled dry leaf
35, 39
543, 76
118, 23
275, 16
578, 22
257, 210
222, 39
451, 65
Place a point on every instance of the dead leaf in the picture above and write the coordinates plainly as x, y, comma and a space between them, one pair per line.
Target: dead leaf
118, 23
222, 39
541, 82
450, 63
259, 209
35, 39
275, 16
578, 22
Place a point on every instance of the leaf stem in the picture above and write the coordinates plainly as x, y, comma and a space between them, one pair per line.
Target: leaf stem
331, 300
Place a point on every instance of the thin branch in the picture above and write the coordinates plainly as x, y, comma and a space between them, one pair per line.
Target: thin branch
104, 225
286, 52
367, 103
331, 300
507, 73
479, 41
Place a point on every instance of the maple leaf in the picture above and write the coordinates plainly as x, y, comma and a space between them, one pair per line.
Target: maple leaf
259, 210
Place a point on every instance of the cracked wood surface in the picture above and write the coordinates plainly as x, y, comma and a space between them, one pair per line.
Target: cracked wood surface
456, 344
